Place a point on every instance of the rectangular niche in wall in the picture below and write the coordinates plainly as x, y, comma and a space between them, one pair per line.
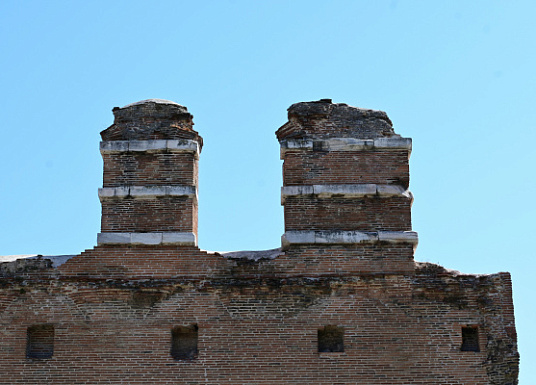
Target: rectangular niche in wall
331, 339
40, 341
184, 342
470, 339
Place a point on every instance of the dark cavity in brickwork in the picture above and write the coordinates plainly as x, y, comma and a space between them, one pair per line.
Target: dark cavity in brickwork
40, 341
184, 342
331, 339
144, 298
470, 339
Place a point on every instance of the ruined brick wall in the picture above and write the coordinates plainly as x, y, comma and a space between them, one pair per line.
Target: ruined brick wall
342, 302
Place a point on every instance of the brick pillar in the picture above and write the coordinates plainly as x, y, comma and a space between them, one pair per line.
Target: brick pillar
345, 177
149, 193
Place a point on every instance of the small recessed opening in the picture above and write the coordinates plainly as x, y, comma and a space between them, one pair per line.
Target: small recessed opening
470, 339
331, 339
40, 341
184, 342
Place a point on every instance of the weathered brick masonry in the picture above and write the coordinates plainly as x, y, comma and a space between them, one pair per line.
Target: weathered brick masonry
341, 302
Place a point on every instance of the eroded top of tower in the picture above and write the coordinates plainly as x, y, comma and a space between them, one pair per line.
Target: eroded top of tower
151, 119
156, 101
323, 118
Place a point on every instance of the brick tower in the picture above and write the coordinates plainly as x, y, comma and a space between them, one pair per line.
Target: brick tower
345, 182
149, 194
343, 302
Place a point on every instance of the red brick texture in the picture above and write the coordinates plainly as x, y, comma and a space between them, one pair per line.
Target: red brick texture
156, 168
307, 167
329, 120
366, 214
397, 330
147, 215
165, 262
167, 314
149, 169
151, 121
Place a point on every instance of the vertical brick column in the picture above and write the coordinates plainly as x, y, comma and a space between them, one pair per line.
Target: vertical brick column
150, 178
345, 177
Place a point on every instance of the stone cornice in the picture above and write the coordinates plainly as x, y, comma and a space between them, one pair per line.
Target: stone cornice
146, 192
326, 237
170, 145
345, 144
345, 191
157, 238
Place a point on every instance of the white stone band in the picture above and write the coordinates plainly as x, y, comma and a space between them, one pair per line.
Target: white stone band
164, 238
172, 145
347, 237
147, 192
345, 191
346, 144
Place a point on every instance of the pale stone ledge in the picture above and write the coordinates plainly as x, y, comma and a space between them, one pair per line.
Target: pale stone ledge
346, 144
345, 191
252, 255
57, 260
147, 192
398, 237
172, 145
346, 237
164, 238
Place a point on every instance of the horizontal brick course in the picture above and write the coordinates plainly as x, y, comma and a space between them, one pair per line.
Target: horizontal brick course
366, 214
145, 169
149, 215
346, 167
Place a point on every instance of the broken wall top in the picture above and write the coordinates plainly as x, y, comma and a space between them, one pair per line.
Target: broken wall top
151, 119
324, 119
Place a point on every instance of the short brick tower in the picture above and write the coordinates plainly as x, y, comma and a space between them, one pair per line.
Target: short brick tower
345, 181
149, 193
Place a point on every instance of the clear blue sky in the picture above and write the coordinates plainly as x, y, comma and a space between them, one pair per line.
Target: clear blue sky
456, 76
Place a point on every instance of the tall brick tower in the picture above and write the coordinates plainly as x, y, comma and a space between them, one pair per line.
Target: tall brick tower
345, 184
149, 193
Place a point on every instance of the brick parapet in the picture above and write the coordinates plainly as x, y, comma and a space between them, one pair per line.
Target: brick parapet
167, 261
